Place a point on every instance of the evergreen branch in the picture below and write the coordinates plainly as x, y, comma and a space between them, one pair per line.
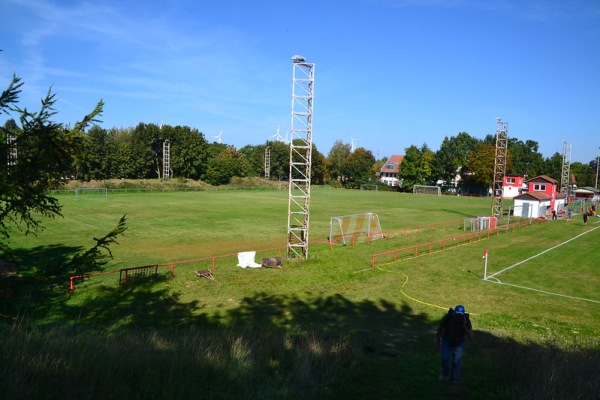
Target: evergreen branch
94, 259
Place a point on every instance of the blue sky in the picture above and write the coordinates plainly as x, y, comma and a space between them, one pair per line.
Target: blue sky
388, 73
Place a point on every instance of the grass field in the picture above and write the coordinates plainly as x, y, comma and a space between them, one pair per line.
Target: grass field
329, 327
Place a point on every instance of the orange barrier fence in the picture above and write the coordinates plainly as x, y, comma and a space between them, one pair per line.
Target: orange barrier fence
442, 244
124, 272
392, 233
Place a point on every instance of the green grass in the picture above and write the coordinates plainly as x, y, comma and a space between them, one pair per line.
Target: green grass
300, 331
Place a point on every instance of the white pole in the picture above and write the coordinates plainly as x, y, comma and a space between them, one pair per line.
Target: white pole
597, 158
485, 255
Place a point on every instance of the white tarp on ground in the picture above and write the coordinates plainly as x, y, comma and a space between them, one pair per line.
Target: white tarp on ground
246, 260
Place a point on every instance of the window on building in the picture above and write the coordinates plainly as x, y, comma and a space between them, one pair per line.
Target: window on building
510, 180
539, 187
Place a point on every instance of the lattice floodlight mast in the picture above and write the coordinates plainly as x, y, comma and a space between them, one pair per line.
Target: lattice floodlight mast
300, 157
566, 169
166, 160
267, 163
11, 142
499, 166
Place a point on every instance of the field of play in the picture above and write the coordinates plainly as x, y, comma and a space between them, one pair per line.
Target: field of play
332, 322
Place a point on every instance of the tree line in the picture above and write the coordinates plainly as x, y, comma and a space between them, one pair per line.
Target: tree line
137, 153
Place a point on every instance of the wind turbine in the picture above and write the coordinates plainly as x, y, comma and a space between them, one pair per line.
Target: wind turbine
352, 144
218, 137
277, 136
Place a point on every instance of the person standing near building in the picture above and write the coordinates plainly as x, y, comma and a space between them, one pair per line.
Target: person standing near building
451, 333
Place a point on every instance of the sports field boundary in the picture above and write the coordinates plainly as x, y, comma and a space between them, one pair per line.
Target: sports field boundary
409, 252
492, 278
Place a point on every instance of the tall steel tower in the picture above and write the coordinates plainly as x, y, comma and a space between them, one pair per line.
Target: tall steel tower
166, 160
566, 169
300, 157
499, 166
11, 141
267, 163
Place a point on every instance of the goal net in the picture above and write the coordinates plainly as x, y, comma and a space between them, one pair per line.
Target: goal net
355, 228
422, 189
96, 193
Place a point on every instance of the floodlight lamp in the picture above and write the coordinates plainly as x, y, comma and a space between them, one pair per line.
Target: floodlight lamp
298, 59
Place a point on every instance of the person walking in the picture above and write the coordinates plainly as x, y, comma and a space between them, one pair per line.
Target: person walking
451, 333
569, 214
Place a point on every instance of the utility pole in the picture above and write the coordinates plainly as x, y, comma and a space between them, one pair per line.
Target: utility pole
597, 157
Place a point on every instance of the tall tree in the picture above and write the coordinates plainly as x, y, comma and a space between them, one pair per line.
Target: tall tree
318, 166
553, 166
526, 158
226, 165
411, 171
45, 154
451, 157
358, 166
583, 174
189, 151
337, 158
479, 172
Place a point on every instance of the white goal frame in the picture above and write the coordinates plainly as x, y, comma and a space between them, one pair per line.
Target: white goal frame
424, 189
354, 228
103, 192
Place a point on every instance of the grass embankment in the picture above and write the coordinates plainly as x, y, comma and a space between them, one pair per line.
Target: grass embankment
330, 327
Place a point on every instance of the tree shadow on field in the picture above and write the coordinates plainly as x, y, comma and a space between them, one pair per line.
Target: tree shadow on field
457, 212
146, 343
43, 275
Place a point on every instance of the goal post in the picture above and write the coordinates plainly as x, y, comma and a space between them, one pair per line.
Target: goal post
354, 228
423, 189
96, 193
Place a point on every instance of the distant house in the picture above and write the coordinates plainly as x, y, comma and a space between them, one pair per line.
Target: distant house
389, 172
513, 185
587, 192
541, 198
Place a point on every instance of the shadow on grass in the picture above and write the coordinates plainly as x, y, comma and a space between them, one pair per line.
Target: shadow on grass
142, 342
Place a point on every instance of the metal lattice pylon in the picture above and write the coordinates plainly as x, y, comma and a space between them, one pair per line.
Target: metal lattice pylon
166, 160
300, 157
566, 169
499, 167
267, 163
12, 149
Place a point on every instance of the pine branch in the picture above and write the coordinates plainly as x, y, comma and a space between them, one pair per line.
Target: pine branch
96, 257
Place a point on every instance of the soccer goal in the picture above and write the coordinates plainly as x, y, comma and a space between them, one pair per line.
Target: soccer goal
355, 228
422, 189
96, 193
369, 187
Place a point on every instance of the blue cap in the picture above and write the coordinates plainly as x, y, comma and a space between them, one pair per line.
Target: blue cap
459, 310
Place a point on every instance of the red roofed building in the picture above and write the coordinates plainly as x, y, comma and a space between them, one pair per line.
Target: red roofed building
541, 198
389, 172
513, 185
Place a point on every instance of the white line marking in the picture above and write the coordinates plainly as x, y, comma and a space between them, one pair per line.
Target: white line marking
550, 293
493, 279
543, 252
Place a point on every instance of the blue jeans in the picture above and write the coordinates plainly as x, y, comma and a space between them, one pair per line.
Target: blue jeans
447, 360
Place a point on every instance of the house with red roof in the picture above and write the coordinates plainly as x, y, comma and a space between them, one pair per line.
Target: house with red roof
512, 186
542, 196
388, 174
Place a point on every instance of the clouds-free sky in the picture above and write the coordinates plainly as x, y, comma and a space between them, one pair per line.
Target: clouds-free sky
388, 73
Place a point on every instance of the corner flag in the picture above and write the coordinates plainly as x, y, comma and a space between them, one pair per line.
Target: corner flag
485, 254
